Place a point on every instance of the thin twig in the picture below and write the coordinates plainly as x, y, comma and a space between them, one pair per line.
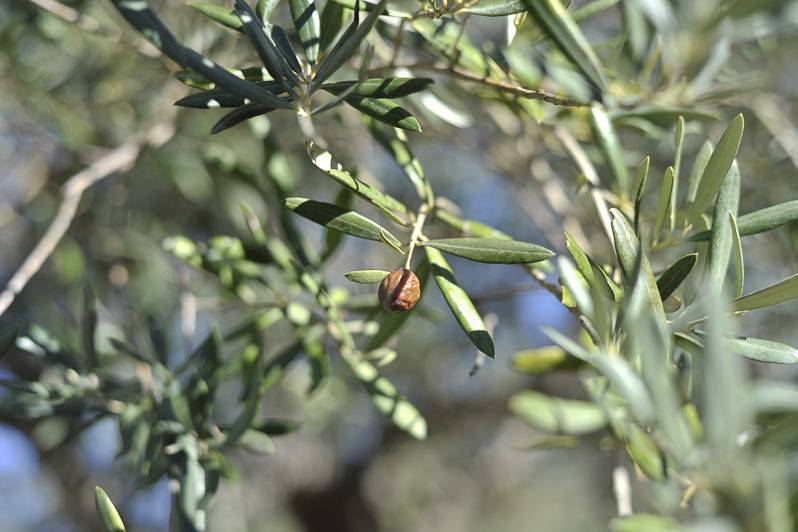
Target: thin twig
72, 191
503, 86
90, 24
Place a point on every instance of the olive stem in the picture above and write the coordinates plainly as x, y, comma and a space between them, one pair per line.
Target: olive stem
414, 236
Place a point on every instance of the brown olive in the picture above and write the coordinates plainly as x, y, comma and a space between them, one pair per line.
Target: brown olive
399, 290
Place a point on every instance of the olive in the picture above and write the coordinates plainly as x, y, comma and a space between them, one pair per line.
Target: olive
400, 290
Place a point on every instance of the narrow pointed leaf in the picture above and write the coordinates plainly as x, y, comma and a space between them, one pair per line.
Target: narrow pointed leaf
306, 22
459, 302
366, 276
387, 399
241, 114
493, 8
492, 250
737, 253
332, 20
552, 414
577, 286
283, 44
544, 360
699, 164
386, 111
664, 201
140, 16
338, 219
678, 142
761, 220
607, 139
676, 273
765, 350
721, 242
264, 45
265, 8
558, 25
347, 45
324, 161
774, 294
109, 517
218, 14
627, 248
380, 87
218, 98
639, 188
717, 167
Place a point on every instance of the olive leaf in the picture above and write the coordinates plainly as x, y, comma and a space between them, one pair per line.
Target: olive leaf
552, 414
676, 273
639, 187
366, 276
678, 141
332, 20
720, 245
218, 14
764, 350
663, 208
491, 250
380, 87
384, 110
560, 27
491, 8
717, 168
109, 516
339, 219
324, 161
308, 26
543, 360
604, 133
459, 302
238, 115
784, 290
761, 220
739, 262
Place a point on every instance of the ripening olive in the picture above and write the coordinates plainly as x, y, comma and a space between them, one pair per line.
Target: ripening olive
399, 290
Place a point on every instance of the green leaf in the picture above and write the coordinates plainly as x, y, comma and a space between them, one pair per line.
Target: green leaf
664, 201
306, 22
218, 14
265, 8
338, 219
491, 8
552, 414
348, 43
737, 252
639, 187
238, 115
717, 168
264, 45
333, 239
366, 276
380, 87
558, 25
764, 350
643, 452
678, 142
109, 517
332, 20
256, 442
459, 302
217, 98
761, 220
492, 250
544, 360
607, 139
283, 44
324, 161
720, 245
662, 116
699, 164
676, 273
627, 248
774, 294
576, 285
386, 111
387, 400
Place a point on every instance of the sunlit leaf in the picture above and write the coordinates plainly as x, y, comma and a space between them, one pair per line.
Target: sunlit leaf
384, 110
218, 14
492, 8
607, 139
552, 414
459, 302
306, 22
366, 276
774, 294
544, 360
109, 517
717, 168
491, 250
761, 220
380, 87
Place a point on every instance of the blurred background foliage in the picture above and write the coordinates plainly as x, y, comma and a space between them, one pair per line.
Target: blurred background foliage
75, 88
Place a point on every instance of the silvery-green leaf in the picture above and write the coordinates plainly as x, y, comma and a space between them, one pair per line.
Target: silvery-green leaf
737, 252
761, 220
784, 290
721, 242
386, 111
492, 250
380, 87
109, 517
218, 14
663, 207
607, 139
366, 276
552, 414
306, 22
492, 8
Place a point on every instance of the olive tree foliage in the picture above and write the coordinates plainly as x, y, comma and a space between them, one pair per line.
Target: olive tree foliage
657, 292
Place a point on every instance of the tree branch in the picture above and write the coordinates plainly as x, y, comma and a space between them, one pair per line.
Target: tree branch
72, 191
